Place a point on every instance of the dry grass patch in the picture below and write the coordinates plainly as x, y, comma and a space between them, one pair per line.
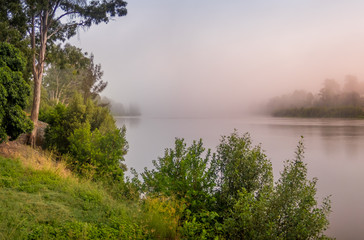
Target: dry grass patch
36, 159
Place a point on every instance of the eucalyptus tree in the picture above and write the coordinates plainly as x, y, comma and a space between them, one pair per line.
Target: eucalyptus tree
49, 21
63, 76
92, 83
71, 71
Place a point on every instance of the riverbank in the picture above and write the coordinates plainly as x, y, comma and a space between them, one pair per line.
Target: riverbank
41, 199
321, 112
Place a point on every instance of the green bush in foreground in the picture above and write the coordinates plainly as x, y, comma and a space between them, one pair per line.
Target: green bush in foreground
239, 200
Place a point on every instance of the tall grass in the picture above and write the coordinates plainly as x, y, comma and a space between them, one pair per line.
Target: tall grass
41, 204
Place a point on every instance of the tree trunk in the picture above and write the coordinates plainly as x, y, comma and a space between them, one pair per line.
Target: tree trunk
35, 109
38, 68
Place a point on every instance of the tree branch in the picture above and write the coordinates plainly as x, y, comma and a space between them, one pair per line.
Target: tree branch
58, 29
65, 14
54, 11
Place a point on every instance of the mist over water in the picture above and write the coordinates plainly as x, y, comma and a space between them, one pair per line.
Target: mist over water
334, 154
169, 56
196, 68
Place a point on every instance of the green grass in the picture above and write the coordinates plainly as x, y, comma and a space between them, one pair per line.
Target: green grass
41, 204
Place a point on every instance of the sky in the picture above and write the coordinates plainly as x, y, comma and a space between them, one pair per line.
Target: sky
197, 56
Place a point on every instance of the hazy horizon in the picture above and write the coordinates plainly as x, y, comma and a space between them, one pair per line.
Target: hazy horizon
195, 56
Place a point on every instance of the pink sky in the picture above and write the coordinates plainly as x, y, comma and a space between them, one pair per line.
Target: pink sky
172, 55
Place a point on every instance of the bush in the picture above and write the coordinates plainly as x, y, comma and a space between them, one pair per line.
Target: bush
63, 121
241, 165
183, 172
96, 154
161, 215
288, 211
231, 195
88, 134
14, 91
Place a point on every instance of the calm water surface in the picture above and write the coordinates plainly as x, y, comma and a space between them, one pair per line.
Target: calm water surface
334, 154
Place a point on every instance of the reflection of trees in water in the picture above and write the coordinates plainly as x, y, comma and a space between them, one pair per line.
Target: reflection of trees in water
337, 142
132, 122
342, 141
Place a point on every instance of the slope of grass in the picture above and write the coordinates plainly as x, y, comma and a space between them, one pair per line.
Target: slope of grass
45, 204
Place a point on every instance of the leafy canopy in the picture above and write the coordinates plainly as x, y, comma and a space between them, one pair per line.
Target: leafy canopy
72, 71
14, 91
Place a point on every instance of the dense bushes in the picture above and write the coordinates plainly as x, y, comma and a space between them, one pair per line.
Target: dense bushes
88, 134
14, 91
231, 194
96, 154
184, 173
241, 165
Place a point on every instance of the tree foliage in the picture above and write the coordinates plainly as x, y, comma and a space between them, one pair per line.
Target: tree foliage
46, 22
183, 172
333, 100
241, 165
289, 210
89, 135
63, 121
96, 154
72, 71
92, 83
14, 91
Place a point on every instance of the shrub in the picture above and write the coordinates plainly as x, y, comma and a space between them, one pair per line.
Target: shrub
288, 211
63, 121
241, 165
14, 91
231, 195
96, 154
88, 134
161, 215
184, 173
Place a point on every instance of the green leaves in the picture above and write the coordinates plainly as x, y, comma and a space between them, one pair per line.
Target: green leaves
89, 135
294, 203
14, 91
232, 195
98, 155
241, 165
287, 210
183, 171
72, 71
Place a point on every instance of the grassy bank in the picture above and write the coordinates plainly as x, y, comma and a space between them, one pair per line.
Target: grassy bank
44, 204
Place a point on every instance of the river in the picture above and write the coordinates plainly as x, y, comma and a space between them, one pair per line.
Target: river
334, 153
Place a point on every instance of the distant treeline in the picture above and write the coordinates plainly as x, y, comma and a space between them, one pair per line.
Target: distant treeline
118, 109
321, 112
331, 101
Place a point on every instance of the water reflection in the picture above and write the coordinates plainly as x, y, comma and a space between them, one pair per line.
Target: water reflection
131, 122
334, 154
